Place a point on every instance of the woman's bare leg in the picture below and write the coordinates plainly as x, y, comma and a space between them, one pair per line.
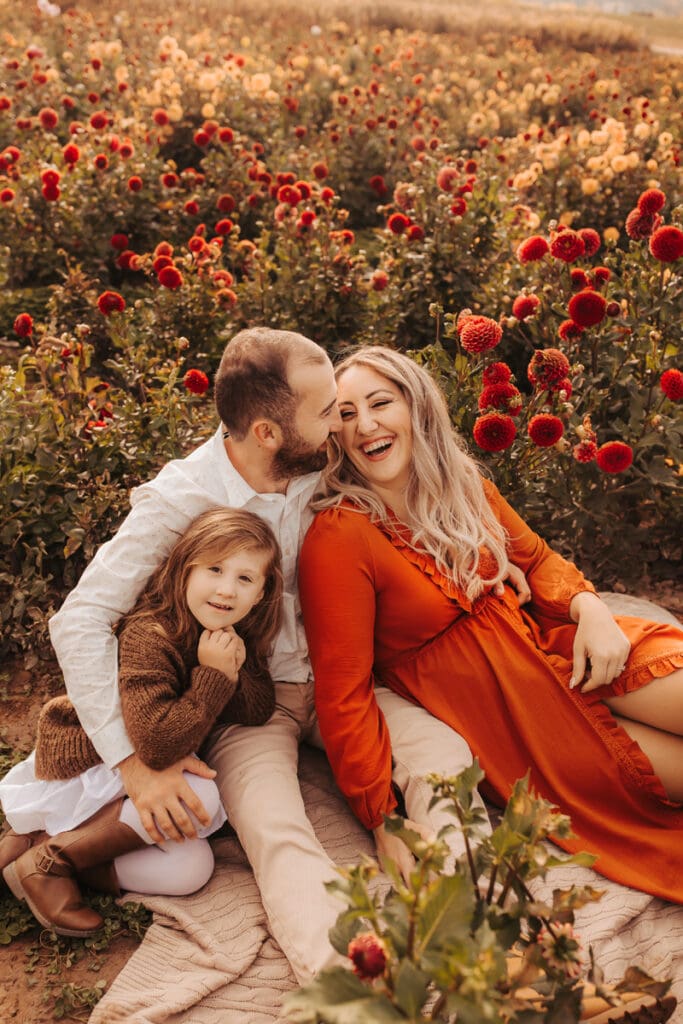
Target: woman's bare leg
659, 704
664, 750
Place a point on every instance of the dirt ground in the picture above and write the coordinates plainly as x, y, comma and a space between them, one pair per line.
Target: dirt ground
29, 984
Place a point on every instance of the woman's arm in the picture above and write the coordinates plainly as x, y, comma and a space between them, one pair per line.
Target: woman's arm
337, 589
552, 579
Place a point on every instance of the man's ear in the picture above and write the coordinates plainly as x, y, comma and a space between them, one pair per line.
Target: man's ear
267, 433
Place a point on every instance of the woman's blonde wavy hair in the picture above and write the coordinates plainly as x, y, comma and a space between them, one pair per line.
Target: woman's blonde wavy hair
213, 536
448, 513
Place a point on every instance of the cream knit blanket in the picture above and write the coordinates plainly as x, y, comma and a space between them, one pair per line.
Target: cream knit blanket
209, 959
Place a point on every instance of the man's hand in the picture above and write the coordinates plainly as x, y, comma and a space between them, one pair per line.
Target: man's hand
394, 848
223, 650
163, 798
517, 581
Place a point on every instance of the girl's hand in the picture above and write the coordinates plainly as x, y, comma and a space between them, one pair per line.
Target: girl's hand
223, 650
518, 582
598, 640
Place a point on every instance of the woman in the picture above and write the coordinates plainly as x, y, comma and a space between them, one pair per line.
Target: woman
397, 578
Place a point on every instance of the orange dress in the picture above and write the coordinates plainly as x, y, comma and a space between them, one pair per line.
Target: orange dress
377, 611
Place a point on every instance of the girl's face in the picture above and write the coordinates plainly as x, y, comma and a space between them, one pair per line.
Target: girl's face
376, 433
222, 592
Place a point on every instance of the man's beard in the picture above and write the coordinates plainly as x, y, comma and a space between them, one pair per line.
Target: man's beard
296, 457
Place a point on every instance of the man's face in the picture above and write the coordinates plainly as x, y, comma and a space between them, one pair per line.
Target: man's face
304, 442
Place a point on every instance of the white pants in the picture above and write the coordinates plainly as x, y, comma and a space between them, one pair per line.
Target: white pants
259, 786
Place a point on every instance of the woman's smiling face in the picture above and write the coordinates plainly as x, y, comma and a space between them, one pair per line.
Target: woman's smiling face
376, 433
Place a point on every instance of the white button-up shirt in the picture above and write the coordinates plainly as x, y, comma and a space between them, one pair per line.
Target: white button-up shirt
161, 510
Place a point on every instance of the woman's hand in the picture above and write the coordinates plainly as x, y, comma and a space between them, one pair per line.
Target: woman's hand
517, 581
390, 846
598, 640
223, 650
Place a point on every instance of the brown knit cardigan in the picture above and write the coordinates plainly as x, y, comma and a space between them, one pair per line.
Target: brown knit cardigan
170, 704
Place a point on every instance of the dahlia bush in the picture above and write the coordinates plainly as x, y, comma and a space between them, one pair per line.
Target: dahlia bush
163, 178
474, 941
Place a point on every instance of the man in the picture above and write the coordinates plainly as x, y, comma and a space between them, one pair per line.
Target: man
276, 397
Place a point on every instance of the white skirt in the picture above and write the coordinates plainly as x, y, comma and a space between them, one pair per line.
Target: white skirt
57, 805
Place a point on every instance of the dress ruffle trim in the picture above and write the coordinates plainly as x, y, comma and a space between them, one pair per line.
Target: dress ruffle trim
644, 671
629, 755
400, 536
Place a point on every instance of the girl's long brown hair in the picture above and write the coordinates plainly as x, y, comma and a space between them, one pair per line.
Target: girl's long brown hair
211, 537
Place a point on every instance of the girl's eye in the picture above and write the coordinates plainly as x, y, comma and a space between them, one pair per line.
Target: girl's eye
380, 402
346, 413
214, 568
246, 579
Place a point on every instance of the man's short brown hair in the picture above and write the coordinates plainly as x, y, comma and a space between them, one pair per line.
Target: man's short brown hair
252, 377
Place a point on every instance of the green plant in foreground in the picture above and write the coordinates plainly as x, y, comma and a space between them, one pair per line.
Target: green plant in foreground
473, 941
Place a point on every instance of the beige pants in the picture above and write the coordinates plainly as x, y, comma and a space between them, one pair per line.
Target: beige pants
257, 778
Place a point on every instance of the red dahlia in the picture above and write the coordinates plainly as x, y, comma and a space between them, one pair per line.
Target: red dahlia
196, 381
368, 954
225, 203
497, 373
119, 241
479, 333
320, 170
23, 325
666, 243
585, 451
170, 277
651, 200
579, 279
71, 154
587, 308
525, 306
494, 431
111, 302
671, 383
567, 246
545, 430
569, 331
379, 280
591, 240
48, 118
503, 396
639, 224
614, 457
134, 183
397, 223
532, 249
446, 177
547, 367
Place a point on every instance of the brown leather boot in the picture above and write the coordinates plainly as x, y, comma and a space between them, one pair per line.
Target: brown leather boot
13, 844
45, 875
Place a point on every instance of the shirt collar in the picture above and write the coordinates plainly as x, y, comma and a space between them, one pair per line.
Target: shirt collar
240, 492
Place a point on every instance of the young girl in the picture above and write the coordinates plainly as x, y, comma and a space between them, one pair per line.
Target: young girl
192, 652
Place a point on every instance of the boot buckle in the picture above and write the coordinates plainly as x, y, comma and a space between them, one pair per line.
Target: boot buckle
44, 863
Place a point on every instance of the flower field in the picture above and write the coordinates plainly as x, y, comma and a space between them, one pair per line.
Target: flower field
505, 206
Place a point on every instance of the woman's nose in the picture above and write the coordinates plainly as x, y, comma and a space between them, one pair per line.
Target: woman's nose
366, 421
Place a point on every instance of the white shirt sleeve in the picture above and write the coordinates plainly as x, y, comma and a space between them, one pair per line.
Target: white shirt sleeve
81, 631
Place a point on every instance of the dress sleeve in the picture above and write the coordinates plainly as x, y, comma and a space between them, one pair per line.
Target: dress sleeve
164, 722
337, 587
553, 580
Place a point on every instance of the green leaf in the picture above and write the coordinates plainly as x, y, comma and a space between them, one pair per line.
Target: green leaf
446, 916
337, 996
410, 988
